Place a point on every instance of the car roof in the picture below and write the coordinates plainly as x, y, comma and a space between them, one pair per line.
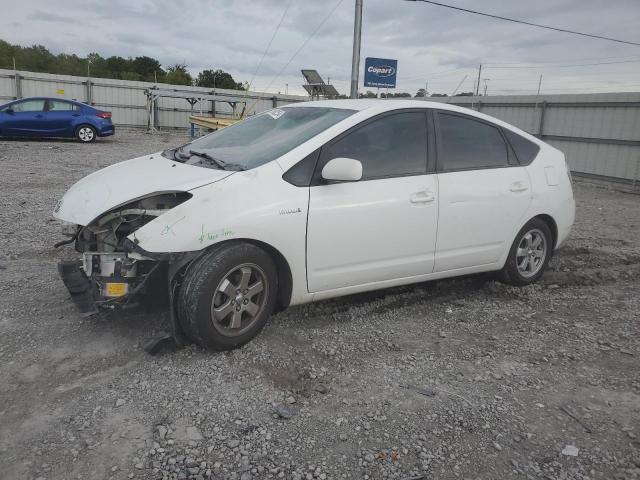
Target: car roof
48, 98
378, 103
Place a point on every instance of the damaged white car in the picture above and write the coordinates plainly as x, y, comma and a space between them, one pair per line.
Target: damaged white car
312, 201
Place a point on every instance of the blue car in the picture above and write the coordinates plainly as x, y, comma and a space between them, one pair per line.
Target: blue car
54, 117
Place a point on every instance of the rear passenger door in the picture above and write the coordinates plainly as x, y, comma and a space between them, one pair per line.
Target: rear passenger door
61, 117
484, 192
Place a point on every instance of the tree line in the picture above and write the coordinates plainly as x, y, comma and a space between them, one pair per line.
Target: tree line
38, 58
420, 93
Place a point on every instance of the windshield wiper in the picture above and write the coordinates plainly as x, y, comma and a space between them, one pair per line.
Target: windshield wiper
219, 163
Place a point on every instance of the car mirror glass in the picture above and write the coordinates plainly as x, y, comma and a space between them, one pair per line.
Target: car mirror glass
342, 170
9, 111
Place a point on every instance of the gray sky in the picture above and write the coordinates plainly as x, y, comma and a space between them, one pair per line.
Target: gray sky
431, 43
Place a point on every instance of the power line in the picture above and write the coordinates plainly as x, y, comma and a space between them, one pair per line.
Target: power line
564, 66
269, 44
304, 44
564, 30
592, 59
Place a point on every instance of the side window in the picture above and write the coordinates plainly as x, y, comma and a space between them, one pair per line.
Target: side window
467, 144
60, 106
28, 106
391, 146
525, 149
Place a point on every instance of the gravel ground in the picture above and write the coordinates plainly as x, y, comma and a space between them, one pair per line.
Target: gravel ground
464, 378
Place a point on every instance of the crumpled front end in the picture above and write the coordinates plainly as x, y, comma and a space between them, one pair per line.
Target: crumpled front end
112, 270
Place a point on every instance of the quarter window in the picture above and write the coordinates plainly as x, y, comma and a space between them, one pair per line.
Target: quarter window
467, 144
28, 106
58, 106
391, 146
525, 149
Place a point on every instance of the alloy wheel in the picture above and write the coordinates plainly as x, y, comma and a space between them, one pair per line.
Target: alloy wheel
531, 253
239, 299
85, 134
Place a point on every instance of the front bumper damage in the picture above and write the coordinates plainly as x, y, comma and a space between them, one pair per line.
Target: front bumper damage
105, 279
88, 282
79, 286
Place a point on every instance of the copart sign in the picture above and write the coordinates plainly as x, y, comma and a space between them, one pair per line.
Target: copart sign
380, 72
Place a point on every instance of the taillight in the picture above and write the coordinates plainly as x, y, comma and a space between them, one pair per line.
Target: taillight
104, 115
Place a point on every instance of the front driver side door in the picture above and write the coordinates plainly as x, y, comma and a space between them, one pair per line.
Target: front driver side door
382, 227
28, 117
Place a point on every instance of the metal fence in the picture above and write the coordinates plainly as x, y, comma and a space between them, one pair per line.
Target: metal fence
127, 100
598, 133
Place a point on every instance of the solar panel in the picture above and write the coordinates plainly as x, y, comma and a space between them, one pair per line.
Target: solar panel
312, 77
315, 86
330, 90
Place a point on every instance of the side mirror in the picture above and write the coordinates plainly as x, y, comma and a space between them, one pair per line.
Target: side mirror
9, 111
342, 170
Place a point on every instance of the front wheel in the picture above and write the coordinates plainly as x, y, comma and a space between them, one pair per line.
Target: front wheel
227, 296
86, 133
529, 254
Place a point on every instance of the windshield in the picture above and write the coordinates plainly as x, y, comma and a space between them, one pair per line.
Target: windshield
265, 137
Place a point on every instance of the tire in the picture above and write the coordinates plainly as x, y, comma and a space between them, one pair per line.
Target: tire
219, 306
529, 254
86, 133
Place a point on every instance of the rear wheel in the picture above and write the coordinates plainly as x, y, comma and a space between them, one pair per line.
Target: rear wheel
86, 133
529, 255
227, 296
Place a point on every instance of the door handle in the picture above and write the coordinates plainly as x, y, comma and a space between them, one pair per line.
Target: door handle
423, 196
518, 187
39, 116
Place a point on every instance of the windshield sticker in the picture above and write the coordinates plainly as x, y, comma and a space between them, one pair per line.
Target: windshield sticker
276, 113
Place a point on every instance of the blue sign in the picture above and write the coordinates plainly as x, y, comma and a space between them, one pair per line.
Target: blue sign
380, 72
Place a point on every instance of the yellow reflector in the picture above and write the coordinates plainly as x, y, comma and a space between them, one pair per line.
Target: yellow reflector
116, 289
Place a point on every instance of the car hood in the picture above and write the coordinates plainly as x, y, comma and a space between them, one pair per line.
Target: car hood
124, 182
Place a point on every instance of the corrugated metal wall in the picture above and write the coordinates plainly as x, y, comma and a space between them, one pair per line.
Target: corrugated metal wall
598, 133
126, 99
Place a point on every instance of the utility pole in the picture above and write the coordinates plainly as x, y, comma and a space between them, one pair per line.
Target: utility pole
539, 84
478, 82
355, 60
426, 89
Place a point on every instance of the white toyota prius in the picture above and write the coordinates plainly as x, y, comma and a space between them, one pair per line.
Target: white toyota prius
312, 201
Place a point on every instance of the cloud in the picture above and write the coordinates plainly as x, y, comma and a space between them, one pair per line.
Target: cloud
432, 44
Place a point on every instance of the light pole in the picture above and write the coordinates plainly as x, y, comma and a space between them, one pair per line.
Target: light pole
355, 60
485, 85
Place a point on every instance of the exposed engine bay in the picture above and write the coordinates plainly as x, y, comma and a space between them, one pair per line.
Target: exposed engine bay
115, 271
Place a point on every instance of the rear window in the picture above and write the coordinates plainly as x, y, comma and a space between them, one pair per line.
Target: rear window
525, 149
